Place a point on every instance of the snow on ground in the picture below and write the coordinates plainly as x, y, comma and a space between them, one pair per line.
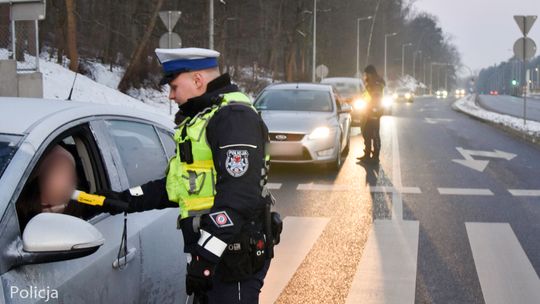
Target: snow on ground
469, 106
58, 79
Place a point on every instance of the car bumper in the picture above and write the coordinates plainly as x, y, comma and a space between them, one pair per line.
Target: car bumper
305, 151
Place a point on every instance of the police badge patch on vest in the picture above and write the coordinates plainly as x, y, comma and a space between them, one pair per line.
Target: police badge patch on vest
237, 162
221, 219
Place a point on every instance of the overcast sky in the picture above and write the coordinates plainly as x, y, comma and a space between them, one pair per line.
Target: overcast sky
483, 30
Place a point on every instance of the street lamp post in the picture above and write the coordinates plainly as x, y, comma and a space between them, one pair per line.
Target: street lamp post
386, 53
537, 78
414, 62
313, 63
403, 57
424, 69
358, 41
211, 24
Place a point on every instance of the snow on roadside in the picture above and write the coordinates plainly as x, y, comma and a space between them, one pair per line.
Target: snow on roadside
469, 106
57, 81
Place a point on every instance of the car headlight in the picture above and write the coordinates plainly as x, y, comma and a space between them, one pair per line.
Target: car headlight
408, 96
387, 101
359, 104
319, 133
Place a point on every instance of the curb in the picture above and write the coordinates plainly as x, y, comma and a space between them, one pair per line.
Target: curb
534, 139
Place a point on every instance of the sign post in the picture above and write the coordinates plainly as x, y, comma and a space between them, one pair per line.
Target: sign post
524, 49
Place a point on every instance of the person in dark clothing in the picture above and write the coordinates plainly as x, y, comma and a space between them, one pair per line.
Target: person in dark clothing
218, 179
374, 110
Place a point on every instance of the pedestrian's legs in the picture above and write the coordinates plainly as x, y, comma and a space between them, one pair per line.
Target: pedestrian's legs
243, 292
376, 138
368, 137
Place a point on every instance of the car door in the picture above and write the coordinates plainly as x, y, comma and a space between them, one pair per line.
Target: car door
96, 278
344, 119
143, 149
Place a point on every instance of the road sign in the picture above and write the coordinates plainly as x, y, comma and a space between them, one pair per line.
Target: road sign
524, 48
170, 18
321, 71
170, 41
525, 23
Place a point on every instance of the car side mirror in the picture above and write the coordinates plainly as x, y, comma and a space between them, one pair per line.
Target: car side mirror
52, 237
345, 108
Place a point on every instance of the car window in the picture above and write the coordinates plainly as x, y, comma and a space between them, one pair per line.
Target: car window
168, 142
295, 100
69, 163
142, 154
8, 147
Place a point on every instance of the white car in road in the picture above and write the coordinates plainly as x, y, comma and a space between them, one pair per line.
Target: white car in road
308, 123
77, 259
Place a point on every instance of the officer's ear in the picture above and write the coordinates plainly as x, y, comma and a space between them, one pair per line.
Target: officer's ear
198, 80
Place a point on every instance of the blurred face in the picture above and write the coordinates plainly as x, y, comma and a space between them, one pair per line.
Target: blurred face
186, 86
57, 184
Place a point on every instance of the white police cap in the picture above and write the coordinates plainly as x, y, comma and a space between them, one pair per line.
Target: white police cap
176, 61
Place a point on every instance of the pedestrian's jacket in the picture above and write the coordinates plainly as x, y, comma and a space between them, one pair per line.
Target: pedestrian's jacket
236, 136
375, 89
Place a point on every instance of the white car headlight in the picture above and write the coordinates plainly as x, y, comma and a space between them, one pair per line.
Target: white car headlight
359, 104
408, 95
319, 133
387, 101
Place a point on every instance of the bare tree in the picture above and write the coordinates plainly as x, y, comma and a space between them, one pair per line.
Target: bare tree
71, 33
132, 76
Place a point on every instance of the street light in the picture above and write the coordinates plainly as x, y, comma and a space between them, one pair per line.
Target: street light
414, 62
358, 41
211, 23
403, 57
313, 64
386, 53
537, 78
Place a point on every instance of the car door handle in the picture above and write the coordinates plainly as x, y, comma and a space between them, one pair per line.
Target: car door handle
124, 260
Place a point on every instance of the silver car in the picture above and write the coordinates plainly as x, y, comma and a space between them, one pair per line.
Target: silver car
307, 123
76, 259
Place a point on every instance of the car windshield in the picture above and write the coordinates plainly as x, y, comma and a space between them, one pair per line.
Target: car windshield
295, 100
346, 89
8, 147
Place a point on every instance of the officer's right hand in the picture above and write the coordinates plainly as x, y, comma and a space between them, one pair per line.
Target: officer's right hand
115, 202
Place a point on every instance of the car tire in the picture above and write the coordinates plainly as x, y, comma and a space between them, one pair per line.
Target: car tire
348, 146
335, 166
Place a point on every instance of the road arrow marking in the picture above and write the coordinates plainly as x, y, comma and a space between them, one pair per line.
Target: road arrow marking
434, 121
480, 165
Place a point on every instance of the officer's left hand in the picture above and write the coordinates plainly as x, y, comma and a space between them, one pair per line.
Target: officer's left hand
199, 275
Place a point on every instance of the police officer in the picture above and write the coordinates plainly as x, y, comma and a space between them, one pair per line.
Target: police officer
374, 110
218, 178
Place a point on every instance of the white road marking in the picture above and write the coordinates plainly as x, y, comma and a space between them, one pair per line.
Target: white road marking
397, 202
464, 191
524, 192
480, 165
298, 236
434, 121
387, 270
388, 189
505, 273
274, 186
342, 187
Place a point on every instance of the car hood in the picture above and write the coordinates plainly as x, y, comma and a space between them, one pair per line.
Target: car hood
297, 121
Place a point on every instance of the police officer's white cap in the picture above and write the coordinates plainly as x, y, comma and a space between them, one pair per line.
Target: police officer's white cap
177, 61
